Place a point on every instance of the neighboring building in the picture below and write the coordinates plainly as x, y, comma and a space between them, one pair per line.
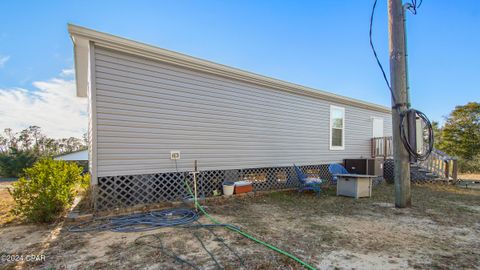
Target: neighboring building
145, 102
81, 155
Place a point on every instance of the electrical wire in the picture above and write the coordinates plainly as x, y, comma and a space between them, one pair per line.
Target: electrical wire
404, 134
221, 240
208, 251
376, 56
163, 249
412, 7
155, 241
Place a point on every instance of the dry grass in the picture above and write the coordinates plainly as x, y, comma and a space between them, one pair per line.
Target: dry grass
6, 204
85, 205
441, 230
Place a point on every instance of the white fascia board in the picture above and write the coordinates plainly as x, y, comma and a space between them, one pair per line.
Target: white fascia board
81, 51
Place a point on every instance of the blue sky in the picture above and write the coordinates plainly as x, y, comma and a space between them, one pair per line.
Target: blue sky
320, 44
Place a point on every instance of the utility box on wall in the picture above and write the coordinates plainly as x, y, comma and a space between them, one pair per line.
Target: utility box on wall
369, 166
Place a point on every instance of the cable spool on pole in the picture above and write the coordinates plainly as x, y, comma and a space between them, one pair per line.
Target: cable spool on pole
405, 132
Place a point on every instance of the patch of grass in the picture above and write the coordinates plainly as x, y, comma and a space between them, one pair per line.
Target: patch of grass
284, 198
465, 209
439, 198
306, 203
321, 228
326, 234
446, 205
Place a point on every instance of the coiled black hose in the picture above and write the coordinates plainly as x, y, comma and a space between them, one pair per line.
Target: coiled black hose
404, 135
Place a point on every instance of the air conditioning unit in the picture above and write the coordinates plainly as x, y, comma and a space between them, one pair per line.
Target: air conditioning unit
368, 166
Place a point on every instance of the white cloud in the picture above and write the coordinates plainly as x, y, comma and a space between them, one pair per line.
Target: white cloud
3, 60
53, 106
67, 72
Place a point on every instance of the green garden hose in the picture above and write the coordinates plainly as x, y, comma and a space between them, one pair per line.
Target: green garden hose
232, 228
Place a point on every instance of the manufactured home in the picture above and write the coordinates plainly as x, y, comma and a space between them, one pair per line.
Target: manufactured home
153, 112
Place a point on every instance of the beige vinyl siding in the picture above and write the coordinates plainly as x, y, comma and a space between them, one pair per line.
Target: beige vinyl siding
147, 108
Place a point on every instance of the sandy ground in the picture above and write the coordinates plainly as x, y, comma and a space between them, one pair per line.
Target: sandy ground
441, 230
471, 176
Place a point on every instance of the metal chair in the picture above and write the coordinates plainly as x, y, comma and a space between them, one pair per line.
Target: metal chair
307, 183
335, 169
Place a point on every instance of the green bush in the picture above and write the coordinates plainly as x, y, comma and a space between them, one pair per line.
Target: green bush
469, 166
85, 181
47, 189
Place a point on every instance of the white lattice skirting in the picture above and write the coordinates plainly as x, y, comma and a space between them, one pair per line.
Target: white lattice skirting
129, 190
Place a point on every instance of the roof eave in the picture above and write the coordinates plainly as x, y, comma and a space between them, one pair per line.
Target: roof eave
152, 52
81, 58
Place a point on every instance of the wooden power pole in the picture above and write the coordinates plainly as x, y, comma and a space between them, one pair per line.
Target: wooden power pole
398, 77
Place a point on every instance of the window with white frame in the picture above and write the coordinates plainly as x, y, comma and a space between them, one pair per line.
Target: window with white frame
337, 128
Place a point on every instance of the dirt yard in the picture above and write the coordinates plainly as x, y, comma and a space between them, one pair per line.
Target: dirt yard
470, 176
6, 203
441, 230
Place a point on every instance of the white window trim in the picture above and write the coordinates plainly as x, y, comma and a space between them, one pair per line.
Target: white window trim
383, 124
343, 128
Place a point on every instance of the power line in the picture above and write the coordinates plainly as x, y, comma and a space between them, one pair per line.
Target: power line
375, 53
412, 6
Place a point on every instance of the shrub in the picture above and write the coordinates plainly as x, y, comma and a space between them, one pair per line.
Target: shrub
469, 166
85, 181
47, 189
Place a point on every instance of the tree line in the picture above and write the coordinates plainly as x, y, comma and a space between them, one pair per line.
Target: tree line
460, 136
20, 150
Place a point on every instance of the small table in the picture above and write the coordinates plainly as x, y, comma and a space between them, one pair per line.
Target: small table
354, 185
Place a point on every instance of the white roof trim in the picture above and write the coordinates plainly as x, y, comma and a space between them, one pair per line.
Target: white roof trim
81, 155
81, 36
80, 51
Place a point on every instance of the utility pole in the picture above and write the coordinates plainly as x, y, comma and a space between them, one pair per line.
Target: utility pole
398, 77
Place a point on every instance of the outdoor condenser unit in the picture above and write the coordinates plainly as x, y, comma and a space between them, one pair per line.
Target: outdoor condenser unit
370, 166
